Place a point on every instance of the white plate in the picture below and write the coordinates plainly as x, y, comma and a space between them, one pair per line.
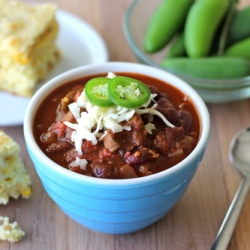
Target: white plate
80, 45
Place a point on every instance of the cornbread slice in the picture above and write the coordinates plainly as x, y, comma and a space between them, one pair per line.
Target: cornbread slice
10, 231
14, 179
28, 49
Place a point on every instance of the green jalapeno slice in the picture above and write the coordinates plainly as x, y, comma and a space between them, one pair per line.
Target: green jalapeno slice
96, 91
128, 92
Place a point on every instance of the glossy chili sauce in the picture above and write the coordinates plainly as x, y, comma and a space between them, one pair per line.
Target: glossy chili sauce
138, 153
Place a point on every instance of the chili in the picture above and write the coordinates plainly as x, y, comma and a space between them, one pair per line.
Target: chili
126, 154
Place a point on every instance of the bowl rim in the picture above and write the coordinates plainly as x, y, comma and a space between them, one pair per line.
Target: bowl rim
102, 67
219, 84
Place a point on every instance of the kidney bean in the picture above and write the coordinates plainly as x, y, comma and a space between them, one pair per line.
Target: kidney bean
185, 120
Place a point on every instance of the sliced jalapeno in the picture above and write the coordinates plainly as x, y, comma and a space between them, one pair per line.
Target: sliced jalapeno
96, 91
128, 92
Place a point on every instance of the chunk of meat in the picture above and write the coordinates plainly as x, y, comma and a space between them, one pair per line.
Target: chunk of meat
49, 137
145, 169
167, 142
127, 172
104, 153
70, 155
69, 117
58, 137
186, 143
58, 146
109, 141
127, 140
161, 143
58, 128
139, 134
90, 152
174, 134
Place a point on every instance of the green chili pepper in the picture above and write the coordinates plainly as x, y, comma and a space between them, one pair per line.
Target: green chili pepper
226, 26
168, 18
128, 92
239, 49
177, 49
96, 91
202, 22
239, 28
209, 67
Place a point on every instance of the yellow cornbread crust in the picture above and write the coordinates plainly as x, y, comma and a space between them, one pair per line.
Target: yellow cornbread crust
14, 179
10, 231
28, 49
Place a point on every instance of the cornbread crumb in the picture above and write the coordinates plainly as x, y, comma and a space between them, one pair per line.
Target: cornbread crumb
10, 231
14, 179
28, 49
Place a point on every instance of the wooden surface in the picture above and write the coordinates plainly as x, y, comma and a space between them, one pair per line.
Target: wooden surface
192, 224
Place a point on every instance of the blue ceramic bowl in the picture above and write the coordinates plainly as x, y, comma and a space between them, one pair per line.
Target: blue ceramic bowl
115, 206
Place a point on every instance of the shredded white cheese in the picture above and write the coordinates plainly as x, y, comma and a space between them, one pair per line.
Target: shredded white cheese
111, 75
79, 162
149, 127
155, 112
95, 119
